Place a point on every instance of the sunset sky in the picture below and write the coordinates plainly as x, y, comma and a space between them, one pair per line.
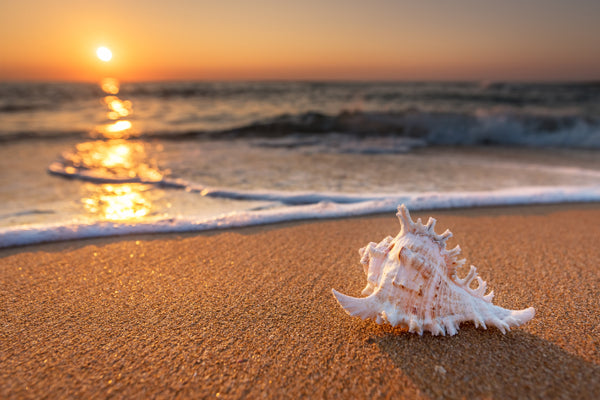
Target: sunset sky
309, 39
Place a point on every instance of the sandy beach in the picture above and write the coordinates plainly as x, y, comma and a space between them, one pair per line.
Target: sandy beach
249, 313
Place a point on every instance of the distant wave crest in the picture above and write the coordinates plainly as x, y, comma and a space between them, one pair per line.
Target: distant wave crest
482, 127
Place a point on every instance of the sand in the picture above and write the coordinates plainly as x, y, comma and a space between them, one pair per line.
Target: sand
249, 313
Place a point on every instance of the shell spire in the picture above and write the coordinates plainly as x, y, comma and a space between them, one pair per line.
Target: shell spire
412, 282
408, 226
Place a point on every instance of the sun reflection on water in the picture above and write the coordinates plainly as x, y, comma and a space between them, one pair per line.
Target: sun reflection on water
119, 202
110, 85
113, 160
117, 108
118, 113
123, 170
116, 130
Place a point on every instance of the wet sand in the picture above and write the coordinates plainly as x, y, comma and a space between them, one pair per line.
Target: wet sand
249, 313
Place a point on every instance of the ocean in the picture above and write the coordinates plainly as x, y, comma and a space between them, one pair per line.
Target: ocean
81, 160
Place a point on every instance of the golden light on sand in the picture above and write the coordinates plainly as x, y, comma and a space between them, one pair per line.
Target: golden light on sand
104, 53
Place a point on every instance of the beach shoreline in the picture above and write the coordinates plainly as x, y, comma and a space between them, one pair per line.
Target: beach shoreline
248, 312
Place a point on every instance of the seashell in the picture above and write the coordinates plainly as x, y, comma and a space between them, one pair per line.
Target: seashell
412, 282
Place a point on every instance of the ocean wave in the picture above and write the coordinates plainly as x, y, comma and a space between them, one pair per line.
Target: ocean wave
368, 204
468, 113
482, 127
507, 93
21, 96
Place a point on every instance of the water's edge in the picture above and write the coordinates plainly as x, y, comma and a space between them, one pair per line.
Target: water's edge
34, 234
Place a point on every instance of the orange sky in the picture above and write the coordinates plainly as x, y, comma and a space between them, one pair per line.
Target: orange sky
309, 39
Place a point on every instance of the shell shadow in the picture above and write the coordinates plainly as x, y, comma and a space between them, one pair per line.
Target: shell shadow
486, 364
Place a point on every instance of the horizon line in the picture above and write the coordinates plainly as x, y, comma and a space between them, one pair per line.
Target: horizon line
312, 80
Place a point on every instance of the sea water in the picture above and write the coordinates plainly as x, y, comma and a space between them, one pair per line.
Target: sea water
85, 160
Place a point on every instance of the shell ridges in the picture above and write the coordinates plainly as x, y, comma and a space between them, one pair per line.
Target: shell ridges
412, 282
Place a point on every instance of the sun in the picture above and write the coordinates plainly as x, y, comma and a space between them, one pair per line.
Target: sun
104, 53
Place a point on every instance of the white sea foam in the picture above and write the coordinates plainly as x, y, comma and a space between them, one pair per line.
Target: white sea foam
322, 206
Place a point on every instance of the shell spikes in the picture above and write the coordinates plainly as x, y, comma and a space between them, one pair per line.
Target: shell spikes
412, 282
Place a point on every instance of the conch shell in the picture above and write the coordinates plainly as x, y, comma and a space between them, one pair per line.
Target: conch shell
412, 282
